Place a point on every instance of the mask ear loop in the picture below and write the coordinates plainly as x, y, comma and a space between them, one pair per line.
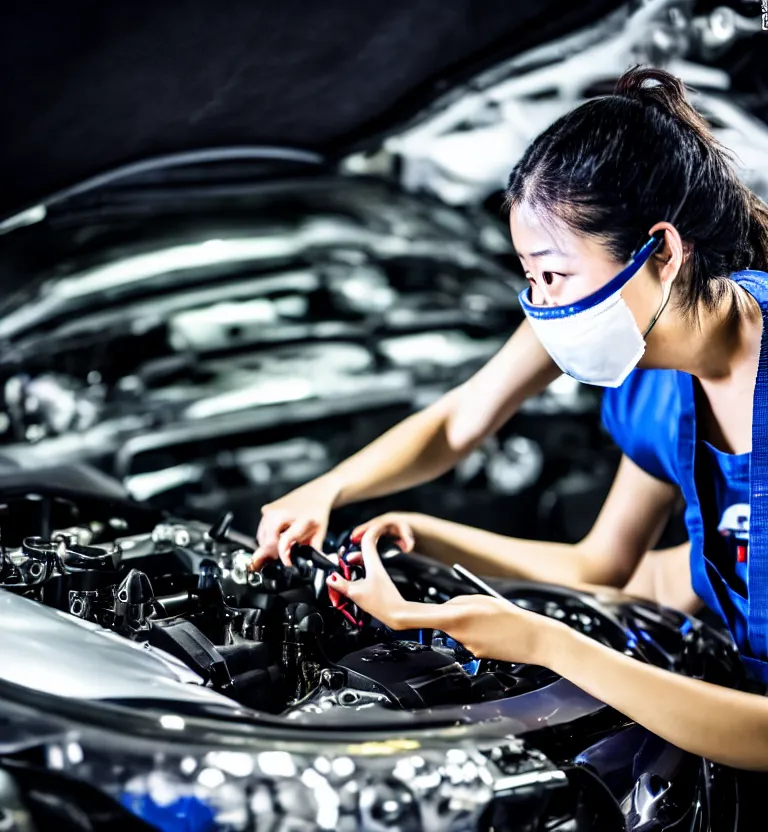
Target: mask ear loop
662, 307
666, 295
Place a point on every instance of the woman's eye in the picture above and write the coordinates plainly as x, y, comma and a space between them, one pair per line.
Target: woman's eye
549, 277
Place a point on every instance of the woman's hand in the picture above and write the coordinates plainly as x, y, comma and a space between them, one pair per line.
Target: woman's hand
375, 593
398, 526
487, 627
491, 628
299, 517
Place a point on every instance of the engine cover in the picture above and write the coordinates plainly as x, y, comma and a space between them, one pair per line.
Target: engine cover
410, 674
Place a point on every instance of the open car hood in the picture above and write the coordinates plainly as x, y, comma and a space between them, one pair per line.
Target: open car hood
443, 98
98, 85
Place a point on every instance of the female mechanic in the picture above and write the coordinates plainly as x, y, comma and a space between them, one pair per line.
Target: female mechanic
646, 258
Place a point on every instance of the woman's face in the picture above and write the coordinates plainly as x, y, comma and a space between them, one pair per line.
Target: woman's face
563, 267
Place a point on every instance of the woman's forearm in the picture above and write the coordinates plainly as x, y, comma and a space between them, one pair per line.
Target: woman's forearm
496, 555
415, 451
723, 725
431, 442
628, 525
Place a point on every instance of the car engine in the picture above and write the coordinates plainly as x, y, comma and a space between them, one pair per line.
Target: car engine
274, 641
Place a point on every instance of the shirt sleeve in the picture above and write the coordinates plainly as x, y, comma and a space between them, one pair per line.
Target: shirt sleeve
642, 417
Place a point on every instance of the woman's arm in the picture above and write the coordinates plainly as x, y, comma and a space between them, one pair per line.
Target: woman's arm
729, 727
429, 443
664, 576
629, 523
419, 449
723, 725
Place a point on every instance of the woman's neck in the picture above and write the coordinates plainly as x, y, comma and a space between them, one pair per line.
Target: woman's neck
718, 345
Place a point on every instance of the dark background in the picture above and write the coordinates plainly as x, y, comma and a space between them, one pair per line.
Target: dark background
89, 84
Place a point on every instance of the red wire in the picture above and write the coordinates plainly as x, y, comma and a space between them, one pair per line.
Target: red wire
348, 616
341, 606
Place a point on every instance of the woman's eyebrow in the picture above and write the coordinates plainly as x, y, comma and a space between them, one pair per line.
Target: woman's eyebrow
545, 252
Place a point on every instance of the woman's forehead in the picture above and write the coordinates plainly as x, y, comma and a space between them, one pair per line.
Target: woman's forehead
535, 236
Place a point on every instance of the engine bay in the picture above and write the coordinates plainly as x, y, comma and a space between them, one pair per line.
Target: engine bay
274, 641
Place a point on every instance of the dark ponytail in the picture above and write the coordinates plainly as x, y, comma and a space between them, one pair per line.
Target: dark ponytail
668, 93
617, 165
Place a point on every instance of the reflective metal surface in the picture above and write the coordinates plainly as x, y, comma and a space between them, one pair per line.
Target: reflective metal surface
401, 782
216, 351
644, 807
460, 148
56, 653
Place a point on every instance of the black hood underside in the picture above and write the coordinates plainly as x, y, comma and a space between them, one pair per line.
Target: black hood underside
93, 85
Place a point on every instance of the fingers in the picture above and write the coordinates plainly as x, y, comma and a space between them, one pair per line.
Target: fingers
276, 535
368, 545
392, 526
273, 523
298, 532
260, 557
403, 535
268, 536
279, 531
262, 554
341, 585
318, 538
382, 522
360, 530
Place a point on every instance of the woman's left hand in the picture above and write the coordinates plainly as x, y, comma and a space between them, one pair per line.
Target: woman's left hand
487, 627
375, 593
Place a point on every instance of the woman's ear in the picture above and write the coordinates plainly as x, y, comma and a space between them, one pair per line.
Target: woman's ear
672, 254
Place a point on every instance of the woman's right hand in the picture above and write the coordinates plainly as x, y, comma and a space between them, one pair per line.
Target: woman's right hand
301, 516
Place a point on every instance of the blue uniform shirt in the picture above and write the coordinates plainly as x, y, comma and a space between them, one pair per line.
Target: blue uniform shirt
652, 418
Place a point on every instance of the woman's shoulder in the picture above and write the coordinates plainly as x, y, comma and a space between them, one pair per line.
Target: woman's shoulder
642, 416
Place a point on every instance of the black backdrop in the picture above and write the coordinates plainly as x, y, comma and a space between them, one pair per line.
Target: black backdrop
91, 84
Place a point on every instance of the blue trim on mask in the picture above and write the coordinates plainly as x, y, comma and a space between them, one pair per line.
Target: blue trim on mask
614, 285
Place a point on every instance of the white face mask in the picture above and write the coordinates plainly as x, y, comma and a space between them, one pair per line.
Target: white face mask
595, 340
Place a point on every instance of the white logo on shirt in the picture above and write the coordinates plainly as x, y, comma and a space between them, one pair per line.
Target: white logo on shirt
735, 522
